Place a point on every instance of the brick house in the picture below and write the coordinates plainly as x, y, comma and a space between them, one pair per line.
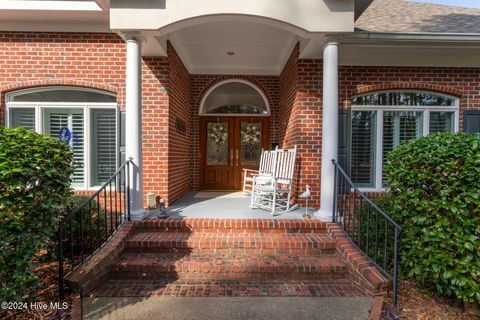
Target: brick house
147, 79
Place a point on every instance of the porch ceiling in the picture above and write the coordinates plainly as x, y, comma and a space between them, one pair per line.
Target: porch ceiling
233, 47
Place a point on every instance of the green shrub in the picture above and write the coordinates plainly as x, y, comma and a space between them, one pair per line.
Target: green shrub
35, 173
434, 183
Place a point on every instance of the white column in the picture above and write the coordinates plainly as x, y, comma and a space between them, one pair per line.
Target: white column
329, 128
133, 126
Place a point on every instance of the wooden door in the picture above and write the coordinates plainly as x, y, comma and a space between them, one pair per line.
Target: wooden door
227, 145
251, 136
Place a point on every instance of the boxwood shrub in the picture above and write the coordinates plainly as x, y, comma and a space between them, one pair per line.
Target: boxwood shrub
434, 183
35, 177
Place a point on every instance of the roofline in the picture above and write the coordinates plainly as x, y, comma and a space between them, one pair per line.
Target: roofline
415, 36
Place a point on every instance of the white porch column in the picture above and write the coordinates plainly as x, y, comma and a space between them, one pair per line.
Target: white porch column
133, 126
329, 128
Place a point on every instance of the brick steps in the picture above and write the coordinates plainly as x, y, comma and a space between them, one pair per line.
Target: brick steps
227, 267
231, 226
214, 288
232, 243
221, 257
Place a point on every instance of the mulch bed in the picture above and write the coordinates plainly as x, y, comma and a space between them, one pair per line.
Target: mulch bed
47, 273
417, 305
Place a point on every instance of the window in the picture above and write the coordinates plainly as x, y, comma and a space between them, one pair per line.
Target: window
86, 119
383, 120
234, 97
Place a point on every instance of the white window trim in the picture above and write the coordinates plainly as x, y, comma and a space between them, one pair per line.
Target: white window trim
379, 128
202, 112
85, 107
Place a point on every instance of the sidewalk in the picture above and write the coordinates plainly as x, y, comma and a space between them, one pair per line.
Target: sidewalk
227, 308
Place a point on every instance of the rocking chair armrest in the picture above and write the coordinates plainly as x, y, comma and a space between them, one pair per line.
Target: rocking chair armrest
250, 170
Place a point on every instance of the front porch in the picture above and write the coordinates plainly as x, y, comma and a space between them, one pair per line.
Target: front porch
271, 84
226, 205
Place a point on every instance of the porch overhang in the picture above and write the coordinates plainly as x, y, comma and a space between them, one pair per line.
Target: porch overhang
232, 37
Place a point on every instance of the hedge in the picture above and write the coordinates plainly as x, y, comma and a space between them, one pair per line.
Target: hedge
35, 177
434, 183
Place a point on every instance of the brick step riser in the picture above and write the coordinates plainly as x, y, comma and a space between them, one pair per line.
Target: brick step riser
262, 251
230, 230
151, 275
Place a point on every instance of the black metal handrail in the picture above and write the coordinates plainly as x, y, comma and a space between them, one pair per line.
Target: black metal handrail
86, 229
371, 230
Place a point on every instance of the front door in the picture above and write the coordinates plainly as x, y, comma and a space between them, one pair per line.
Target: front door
227, 145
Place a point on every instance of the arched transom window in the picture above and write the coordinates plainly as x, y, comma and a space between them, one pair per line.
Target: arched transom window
85, 118
234, 97
383, 120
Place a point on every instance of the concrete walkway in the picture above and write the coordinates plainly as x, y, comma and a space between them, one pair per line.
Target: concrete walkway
227, 308
235, 207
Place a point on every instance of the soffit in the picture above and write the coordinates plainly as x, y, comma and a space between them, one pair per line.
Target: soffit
233, 47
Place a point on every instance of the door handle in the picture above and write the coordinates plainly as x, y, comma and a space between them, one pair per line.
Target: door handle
237, 155
231, 157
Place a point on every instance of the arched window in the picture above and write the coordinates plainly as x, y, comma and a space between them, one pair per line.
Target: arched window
234, 97
383, 120
62, 94
84, 118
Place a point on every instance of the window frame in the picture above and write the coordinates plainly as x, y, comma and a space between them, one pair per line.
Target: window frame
380, 109
87, 108
202, 112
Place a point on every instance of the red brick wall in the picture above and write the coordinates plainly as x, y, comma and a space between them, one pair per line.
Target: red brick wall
300, 120
82, 59
287, 95
199, 86
461, 82
155, 102
179, 157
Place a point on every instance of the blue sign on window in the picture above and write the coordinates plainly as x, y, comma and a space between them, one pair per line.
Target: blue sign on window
64, 135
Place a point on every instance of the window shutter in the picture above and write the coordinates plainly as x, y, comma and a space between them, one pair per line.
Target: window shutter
77, 143
471, 121
344, 122
74, 122
105, 133
23, 118
363, 148
441, 122
399, 126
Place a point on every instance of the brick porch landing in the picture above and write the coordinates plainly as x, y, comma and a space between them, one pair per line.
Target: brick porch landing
229, 258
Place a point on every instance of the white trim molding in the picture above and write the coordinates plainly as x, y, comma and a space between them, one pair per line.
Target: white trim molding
201, 108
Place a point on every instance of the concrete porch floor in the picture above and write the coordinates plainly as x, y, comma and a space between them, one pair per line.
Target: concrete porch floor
234, 205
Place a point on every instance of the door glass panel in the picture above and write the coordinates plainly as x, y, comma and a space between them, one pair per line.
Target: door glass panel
250, 143
217, 143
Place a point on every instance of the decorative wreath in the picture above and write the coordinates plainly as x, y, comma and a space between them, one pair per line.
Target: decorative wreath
251, 135
219, 134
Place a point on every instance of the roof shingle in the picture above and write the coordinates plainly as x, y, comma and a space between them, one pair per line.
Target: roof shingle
402, 16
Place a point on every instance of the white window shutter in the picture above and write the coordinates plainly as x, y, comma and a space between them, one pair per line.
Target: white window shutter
74, 122
23, 118
104, 143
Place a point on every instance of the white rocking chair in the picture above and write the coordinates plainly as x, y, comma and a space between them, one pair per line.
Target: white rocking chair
266, 168
273, 193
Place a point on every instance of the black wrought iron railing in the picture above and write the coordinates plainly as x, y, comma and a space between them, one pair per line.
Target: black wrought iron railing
368, 226
83, 231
